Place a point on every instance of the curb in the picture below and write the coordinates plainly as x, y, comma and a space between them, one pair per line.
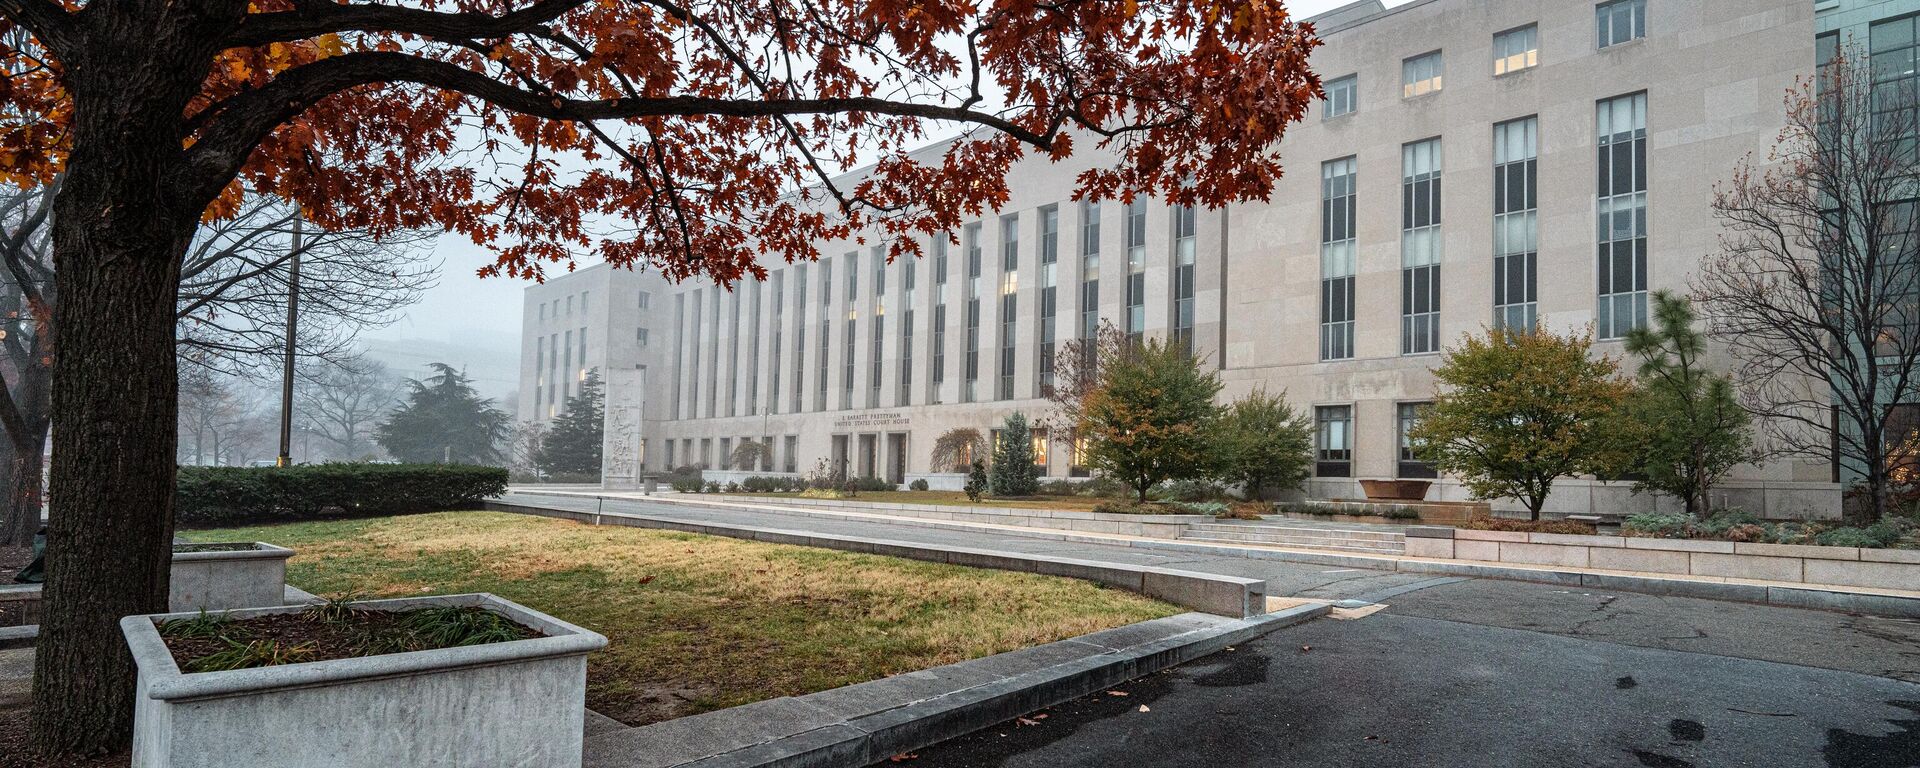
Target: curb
866, 723
1808, 596
1212, 593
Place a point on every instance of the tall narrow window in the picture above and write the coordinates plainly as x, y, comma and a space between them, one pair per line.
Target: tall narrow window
1337, 218
1184, 230
1622, 230
1420, 247
753, 349
1136, 244
878, 344
850, 338
1421, 75
790, 454
799, 337
938, 375
1049, 294
1089, 283
1343, 97
970, 374
1619, 21
736, 299
696, 321
1516, 236
1333, 441
823, 335
1516, 49
713, 352
1411, 463
1009, 300
679, 354
909, 300
776, 346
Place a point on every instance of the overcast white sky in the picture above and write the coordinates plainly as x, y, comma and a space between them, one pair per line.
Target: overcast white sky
466, 311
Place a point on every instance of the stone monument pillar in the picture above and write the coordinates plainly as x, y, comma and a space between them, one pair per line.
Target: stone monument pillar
621, 454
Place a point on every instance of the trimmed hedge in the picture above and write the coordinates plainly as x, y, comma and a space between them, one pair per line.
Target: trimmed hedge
211, 496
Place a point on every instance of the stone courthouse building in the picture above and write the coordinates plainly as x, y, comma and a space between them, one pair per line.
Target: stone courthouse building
1475, 163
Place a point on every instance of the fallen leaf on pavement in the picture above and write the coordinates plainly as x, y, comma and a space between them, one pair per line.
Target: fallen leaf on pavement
1116, 693
1025, 721
1305, 648
1143, 708
903, 757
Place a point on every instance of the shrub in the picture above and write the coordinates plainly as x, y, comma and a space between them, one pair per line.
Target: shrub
1130, 506
1103, 486
1656, 525
733, 486
684, 485
1187, 490
218, 496
822, 493
1244, 510
711, 486
871, 484
1212, 508
1847, 537
1484, 523
918, 485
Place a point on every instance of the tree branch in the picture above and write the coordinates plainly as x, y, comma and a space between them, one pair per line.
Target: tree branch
310, 20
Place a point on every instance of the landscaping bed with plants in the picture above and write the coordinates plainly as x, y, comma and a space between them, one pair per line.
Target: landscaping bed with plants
333, 630
698, 623
1891, 532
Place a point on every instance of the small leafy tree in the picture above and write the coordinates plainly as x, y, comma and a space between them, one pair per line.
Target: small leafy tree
976, 480
1688, 426
1151, 418
444, 420
1264, 443
1519, 411
956, 449
1013, 472
573, 445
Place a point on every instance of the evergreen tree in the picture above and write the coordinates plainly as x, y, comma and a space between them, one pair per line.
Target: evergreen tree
1151, 417
572, 446
444, 420
1688, 428
1013, 472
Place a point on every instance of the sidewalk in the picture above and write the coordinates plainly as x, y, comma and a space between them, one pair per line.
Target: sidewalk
1356, 576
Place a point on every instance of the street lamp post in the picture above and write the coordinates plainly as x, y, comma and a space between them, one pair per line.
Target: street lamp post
293, 329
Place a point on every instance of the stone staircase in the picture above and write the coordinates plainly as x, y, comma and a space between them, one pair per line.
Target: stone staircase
1355, 538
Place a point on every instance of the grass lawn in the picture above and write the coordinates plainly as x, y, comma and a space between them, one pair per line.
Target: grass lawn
698, 623
1074, 503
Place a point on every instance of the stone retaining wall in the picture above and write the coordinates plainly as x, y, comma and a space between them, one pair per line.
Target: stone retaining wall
1815, 565
1155, 526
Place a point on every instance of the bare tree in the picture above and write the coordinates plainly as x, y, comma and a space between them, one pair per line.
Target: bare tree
1076, 373
343, 403
524, 441
1815, 287
231, 311
221, 420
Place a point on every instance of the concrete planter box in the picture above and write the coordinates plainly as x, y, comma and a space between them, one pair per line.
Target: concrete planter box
223, 579
1153, 526
209, 580
501, 704
1395, 490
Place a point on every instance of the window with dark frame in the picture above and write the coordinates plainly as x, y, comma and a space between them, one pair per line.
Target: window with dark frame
1333, 441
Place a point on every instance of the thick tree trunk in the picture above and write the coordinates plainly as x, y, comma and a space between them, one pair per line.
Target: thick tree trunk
118, 242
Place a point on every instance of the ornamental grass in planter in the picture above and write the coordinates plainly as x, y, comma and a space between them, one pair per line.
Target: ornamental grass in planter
460, 680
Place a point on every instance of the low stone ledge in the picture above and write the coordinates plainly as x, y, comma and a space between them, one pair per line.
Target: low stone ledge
1212, 593
1473, 535
1429, 532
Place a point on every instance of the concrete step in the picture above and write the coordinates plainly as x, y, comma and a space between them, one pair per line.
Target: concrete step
1256, 538
1213, 529
1328, 545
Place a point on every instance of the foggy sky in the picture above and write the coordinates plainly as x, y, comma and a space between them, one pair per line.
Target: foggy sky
465, 311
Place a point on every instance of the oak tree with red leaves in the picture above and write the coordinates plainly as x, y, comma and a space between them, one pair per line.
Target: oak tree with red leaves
686, 136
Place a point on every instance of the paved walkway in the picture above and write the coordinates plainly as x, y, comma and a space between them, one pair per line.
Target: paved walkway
1866, 644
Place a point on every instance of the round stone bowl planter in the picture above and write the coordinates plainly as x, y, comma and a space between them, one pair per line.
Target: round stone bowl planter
517, 703
217, 577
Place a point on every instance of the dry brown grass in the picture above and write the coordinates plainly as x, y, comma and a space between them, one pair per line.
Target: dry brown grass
699, 622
